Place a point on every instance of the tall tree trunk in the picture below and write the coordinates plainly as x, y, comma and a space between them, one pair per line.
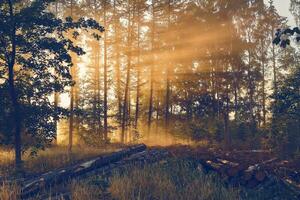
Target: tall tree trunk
56, 95
150, 110
129, 105
97, 74
127, 83
11, 56
236, 97
274, 61
71, 120
157, 105
226, 122
168, 91
263, 84
97, 92
105, 74
56, 99
137, 105
251, 88
117, 59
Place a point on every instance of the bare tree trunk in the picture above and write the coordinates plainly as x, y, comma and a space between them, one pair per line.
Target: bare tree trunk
150, 97
56, 99
129, 105
117, 65
97, 94
105, 75
137, 105
157, 105
274, 61
236, 114
251, 88
226, 122
56, 95
150, 110
263, 84
168, 91
71, 120
127, 83
10, 59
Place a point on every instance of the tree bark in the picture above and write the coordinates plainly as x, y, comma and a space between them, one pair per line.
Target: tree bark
56, 95
127, 83
226, 122
168, 90
274, 61
11, 56
137, 105
263, 84
105, 75
117, 59
150, 110
71, 120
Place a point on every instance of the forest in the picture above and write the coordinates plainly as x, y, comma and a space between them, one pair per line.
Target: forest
149, 99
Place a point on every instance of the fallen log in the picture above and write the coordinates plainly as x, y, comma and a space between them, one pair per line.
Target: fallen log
253, 151
33, 186
239, 173
138, 159
256, 174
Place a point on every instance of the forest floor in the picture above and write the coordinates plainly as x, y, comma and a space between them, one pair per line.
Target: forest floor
183, 172
50, 159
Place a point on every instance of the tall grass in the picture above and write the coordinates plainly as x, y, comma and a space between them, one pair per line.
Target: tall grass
180, 180
81, 190
9, 192
49, 159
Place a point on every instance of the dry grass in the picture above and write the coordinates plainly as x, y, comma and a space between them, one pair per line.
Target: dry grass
173, 180
9, 192
50, 159
81, 190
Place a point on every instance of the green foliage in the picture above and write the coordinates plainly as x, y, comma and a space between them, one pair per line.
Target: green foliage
286, 115
209, 129
42, 64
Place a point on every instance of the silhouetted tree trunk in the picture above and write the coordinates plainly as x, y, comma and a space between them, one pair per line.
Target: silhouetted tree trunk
71, 120
117, 59
105, 71
11, 56
251, 88
150, 110
137, 105
274, 61
56, 95
97, 69
263, 83
226, 121
168, 90
127, 82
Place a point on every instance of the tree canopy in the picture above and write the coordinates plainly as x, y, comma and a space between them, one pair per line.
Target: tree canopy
35, 63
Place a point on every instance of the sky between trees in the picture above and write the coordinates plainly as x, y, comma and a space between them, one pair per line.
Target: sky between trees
283, 7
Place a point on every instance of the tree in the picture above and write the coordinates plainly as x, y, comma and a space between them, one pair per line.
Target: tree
286, 115
35, 63
295, 9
